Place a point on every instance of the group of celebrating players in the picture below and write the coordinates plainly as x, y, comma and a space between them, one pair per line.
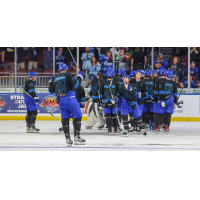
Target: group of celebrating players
147, 98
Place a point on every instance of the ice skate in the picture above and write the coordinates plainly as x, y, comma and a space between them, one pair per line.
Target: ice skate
100, 127
119, 130
166, 130
78, 140
131, 130
33, 129
143, 132
28, 128
60, 129
69, 142
158, 129
126, 134
89, 127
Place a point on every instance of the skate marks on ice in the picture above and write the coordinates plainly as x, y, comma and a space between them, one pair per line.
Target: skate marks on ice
13, 138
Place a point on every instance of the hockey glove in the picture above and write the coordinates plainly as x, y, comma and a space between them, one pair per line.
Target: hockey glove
82, 104
51, 78
140, 94
162, 104
152, 99
36, 100
114, 101
176, 105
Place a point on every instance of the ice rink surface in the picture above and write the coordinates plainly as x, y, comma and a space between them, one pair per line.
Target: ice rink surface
184, 136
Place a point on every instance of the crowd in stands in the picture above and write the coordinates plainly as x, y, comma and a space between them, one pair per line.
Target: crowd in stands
95, 59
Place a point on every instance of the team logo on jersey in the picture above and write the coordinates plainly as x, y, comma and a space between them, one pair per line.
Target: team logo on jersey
50, 103
2, 103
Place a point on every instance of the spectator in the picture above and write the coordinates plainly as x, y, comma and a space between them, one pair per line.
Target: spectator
128, 53
192, 82
176, 51
106, 61
123, 65
146, 64
198, 84
33, 54
8, 57
70, 60
163, 61
104, 49
181, 68
60, 56
86, 58
137, 60
176, 80
158, 65
181, 85
115, 51
193, 70
20, 58
94, 67
48, 58
174, 66
194, 53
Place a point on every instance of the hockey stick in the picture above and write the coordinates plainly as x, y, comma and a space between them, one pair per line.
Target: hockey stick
39, 103
114, 105
102, 112
73, 59
179, 96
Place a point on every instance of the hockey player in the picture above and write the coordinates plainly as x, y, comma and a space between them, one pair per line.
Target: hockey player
140, 88
31, 104
129, 104
94, 112
119, 80
148, 104
158, 92
168, 99
64, 87
108, 95
80, 94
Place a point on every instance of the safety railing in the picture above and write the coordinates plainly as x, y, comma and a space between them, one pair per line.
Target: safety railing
6, 79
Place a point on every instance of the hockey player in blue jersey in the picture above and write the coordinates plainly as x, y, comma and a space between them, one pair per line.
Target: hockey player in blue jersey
148, 104
129, 104
64, 87
119, 80
167, 100
31, 103
108, 95
140, 89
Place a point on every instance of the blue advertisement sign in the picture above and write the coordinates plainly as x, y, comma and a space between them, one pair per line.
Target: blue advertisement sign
14, 103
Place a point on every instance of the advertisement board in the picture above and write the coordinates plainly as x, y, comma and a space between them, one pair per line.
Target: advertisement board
13, 103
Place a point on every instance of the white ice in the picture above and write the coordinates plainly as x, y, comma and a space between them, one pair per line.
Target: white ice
13, 136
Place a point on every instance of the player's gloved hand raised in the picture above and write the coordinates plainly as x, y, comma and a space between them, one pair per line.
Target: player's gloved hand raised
36, 100
51, 78
162, 104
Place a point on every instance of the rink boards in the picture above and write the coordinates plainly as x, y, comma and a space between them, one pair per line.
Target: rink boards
13, 107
